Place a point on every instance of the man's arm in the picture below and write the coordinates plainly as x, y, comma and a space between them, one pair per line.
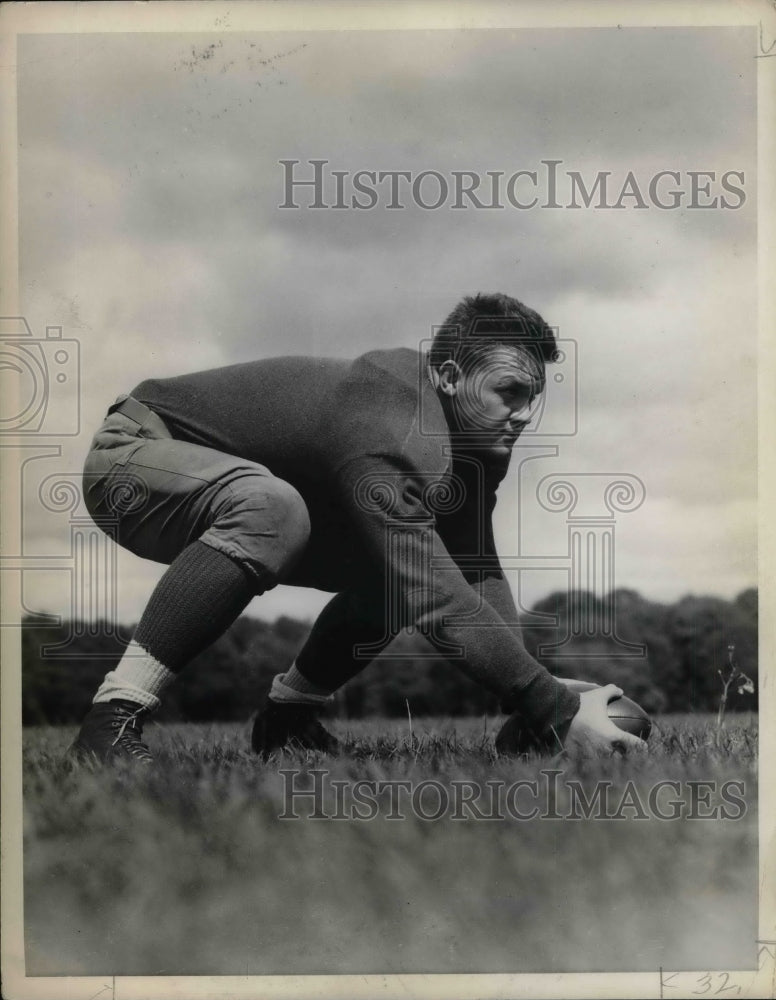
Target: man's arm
468, 534
589, 727
390, 506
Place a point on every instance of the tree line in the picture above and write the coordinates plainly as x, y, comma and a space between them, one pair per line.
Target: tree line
665, 656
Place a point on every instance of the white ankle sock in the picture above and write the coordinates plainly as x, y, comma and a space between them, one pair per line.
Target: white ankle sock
138, 677
293, 687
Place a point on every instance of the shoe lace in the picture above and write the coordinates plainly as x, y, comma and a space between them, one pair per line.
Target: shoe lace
131, 740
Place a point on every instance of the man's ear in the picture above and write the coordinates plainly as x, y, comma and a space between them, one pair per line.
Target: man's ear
448, 377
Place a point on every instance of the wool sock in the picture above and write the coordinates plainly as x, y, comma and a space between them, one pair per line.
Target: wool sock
292, 687
196, 600
138, 677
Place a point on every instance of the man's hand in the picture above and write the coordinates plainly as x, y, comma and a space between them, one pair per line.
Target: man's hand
592, 730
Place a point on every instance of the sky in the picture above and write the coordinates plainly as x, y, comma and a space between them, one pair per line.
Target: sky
149, 186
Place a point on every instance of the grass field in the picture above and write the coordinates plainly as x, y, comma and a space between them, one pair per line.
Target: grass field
187, 869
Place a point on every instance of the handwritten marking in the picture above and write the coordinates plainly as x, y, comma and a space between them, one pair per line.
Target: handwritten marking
766, 53
100, 992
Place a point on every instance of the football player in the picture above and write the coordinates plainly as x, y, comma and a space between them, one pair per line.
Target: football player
374, 479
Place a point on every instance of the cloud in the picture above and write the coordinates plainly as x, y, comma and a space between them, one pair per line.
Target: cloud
149, 186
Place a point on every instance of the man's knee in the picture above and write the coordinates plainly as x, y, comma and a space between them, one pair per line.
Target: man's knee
293, 517
267, 521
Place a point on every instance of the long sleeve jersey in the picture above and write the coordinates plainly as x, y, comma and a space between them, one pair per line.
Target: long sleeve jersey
367, 445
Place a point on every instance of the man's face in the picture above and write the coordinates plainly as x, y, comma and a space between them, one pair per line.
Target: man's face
495, 396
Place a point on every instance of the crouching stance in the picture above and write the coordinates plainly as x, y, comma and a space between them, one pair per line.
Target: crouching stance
374, 479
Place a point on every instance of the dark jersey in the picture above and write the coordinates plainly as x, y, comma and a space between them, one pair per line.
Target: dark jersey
374, 423
366, 444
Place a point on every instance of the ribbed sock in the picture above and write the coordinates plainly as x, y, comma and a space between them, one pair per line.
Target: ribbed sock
196, 600
194, 603
294, 688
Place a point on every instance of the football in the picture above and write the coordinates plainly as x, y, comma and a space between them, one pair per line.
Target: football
623, 712
627, 715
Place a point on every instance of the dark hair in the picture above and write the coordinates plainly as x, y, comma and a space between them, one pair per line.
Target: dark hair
481, 322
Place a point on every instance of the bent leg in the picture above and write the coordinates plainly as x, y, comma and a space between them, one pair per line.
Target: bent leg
354, 618
228, 528
347, 635
329, 659
167, 494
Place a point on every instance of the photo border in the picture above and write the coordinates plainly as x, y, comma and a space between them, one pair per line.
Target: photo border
208, 17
